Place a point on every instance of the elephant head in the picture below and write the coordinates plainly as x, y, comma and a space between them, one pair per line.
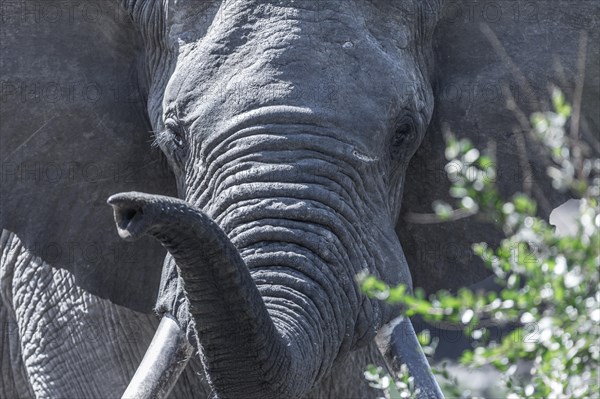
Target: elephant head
289, 126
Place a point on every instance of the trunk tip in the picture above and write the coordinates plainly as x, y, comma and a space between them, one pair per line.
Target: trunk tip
128, 209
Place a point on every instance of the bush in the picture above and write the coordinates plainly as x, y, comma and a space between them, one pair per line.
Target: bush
550, 282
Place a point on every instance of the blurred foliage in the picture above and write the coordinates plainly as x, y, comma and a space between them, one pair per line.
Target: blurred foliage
550, 282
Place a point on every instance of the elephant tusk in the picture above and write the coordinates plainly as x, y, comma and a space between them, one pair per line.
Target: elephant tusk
398, 343
163, 362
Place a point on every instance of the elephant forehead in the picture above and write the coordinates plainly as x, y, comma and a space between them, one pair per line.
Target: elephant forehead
189, 20
337, 65
266, 30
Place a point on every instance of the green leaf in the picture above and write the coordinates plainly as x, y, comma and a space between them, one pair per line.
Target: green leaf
424, 337
442, 209
523, 204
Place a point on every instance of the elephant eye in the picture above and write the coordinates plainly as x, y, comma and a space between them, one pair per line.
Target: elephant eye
403, 139
404, 130
176, 132
404, 134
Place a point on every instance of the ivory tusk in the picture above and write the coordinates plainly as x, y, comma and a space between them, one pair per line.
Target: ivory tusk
398, 343
163, 362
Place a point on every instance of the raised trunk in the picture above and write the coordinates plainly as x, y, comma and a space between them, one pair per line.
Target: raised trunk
270, 282
246, 353
284, 143
273, 330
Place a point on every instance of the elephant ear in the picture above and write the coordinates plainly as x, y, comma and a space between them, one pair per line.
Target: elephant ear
488, 52
73, 131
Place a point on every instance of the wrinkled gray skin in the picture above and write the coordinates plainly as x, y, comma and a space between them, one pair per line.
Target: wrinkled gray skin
303, 188
288, 127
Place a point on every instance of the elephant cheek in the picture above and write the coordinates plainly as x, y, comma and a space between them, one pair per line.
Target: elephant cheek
172, 302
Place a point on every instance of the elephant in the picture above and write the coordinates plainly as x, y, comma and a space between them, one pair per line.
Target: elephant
256, 156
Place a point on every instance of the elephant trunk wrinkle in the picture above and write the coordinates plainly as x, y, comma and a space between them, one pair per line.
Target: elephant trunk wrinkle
273, 224
272, 149
277, 192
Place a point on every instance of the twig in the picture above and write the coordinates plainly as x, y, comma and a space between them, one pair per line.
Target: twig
432, 218
576, 114
529, 184
501, 52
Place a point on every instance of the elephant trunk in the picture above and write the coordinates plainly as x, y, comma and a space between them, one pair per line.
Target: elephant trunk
268, 271
247, 350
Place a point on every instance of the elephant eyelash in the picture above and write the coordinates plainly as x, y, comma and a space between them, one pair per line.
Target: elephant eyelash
167, 136
161, 139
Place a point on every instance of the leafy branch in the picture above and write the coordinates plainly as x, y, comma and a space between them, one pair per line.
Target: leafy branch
550, 282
